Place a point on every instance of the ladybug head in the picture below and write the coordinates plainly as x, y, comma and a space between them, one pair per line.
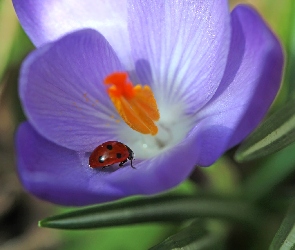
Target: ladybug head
131, 153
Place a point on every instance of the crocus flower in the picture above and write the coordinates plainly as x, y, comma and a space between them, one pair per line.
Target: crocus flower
179, 82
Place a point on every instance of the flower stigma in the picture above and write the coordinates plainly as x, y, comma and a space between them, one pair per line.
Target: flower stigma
136, 104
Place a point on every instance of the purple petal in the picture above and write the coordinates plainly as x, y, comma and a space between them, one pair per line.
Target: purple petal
56, 174
250, 83
46, 21
184, 45
62, 176
62, 91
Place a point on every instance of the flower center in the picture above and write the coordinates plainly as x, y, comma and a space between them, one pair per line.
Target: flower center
173, 126
136, 105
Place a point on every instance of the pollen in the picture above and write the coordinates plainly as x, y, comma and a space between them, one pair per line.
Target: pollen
136, 104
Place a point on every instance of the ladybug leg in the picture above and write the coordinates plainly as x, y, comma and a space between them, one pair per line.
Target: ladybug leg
122, 163
104, 167
131, 164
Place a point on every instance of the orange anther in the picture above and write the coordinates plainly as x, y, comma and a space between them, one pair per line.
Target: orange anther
136, 105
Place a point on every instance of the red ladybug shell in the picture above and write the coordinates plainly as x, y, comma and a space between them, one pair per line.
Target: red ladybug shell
110, 152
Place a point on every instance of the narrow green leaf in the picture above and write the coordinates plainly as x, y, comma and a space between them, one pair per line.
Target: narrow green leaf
289, 42
155, 209
274, 134
285, 237
195, 236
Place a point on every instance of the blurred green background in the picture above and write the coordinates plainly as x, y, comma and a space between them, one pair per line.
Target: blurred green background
261, 180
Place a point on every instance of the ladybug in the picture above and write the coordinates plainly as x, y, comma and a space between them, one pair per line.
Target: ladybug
110, 152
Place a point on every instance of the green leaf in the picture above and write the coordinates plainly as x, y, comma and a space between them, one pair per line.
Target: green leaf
195, 236
155, 209
274, 134
285, 237
288, 38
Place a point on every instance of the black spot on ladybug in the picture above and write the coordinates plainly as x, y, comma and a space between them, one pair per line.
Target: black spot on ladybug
119, 155
109, 147
101, 159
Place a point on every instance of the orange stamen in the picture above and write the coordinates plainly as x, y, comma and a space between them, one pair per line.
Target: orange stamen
136, 105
